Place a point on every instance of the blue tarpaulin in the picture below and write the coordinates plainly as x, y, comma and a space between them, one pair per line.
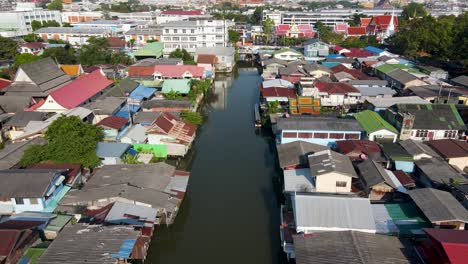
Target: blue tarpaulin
123, 112
330, 64
125, 249
334, 56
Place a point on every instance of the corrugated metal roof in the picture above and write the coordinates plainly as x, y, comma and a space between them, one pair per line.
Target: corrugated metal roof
333, 213
299, 180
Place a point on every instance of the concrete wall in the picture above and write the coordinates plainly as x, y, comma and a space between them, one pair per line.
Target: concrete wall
327, 183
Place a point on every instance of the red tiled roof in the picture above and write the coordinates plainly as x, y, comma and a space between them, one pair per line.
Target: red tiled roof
278, 92
358, 53
20, 224
178, 71
353, 72
4, 83
8, 241
365, 21
72, 169
336, 87
182, 12
282, 27
115, 122
362, 146
357, 31
172, 126
341, 27
404, 178
337, 48
207, 59
33, 45
384, 20
140, 70
450, 148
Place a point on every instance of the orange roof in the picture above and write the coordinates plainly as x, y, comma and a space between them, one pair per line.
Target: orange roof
207, 59
365, 21
73, 70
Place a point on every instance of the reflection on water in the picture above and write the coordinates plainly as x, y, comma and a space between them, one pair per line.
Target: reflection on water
231, 211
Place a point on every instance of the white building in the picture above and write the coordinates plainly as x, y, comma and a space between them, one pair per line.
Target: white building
75, 36
76, 17
190, 35
18, 23
114, 26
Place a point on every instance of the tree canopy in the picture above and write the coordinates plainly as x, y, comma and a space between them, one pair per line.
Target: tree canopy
24, 58
326, 34
65, 55
413, 10
31, 38
70, 141
233, 36
35, 25
55, 5
8, 48
182, 54
268, 26
97, 52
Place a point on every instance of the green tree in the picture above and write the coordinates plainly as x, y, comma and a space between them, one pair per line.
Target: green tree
327, 35
356, 19
173, 95
8, 48
151, 40
31, 38
413, 10
268, 26
257, 16
273, 107
35, 25
55, 5
120, 58
24, 58
131, 159
65, 55
131, 43
233, 36
69, 141
193, 118
181, 54
95, 52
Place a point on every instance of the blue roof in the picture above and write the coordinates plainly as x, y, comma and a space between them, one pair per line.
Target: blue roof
334, 56
125, 249
374, 49
330, 64
123, 112
142, 92
111, 149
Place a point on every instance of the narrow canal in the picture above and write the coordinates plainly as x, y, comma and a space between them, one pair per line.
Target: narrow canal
231, 211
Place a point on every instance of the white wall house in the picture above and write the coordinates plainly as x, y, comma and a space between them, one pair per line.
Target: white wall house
19, 22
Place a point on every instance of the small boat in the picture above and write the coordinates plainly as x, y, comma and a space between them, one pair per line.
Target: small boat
257, 116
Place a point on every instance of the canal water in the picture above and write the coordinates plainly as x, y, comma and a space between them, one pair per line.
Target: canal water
231, 211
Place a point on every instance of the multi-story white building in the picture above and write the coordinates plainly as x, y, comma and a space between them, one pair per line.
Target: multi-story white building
75, 36
18, 23
192, 34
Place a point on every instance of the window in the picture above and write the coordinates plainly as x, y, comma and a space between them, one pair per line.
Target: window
305, 135
175, 31
450, 134
289, 134
341, 184
320, 135
184, 31
166, 31
33, 201
175, 38
352, 136
19, 200
421, 133
337, 135
193, 38
192, 31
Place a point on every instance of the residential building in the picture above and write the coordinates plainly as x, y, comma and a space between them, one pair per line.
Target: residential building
11, 155
105, 106
85, 242
418, 150
335, 94
311, 213
171, 106
37, 79
149, 50
376, 127
455, 152
18, 23
156, 185
142, 35
17, 237
318, 130
381, 104
34, 48
435, 172
353, 246
112, 127
225, 57
172, 132
432, 71
441, 94
460, 192
36, 190
190, 35
136, 134
397, 157
77, 93
180, 86
361, 150
401, 79
75, 36
112, 153
315, 48
440, 207
332, 171
282, 95
372, 89
316, 71
426, 121
461, 80
443, 245
294, 155
162, 72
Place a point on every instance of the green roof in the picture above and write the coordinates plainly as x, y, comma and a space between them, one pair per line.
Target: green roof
386, 68
372, 121
396, 152
181, 86
33, 254
407, 217
150, 83
159, 151
58, 222
154, 49
123, 88
286, 50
